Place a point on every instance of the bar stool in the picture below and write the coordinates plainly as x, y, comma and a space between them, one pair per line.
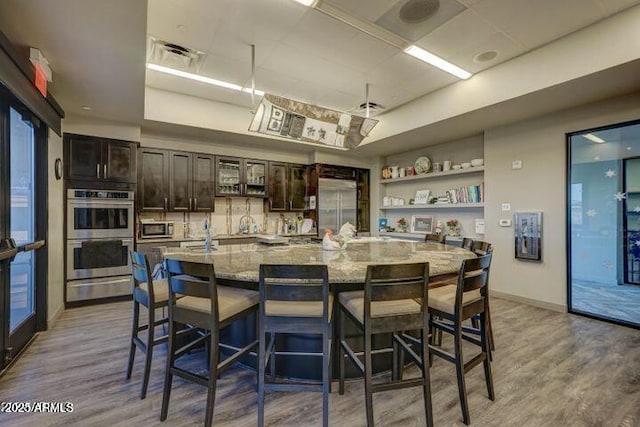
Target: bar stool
455, 305
289, 306
151, 294
439, 238
394, 300
207, 306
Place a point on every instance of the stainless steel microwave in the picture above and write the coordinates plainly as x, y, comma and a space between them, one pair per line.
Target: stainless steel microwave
155, 229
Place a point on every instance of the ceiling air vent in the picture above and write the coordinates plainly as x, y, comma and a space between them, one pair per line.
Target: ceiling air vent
173, 55
361, 110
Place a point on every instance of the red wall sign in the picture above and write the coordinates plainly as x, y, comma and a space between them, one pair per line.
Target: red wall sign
40, 80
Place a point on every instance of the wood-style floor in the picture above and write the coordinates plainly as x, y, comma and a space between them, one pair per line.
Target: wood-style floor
550, 369
620, 302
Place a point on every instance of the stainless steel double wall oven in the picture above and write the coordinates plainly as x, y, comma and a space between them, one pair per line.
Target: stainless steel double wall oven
100, 234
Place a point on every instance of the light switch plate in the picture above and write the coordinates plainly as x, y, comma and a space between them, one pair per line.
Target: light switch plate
506, 207
479, 226
516, 164
505, 223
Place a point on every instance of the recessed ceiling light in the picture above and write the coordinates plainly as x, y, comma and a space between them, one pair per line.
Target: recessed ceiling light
308, 3
628, 148
202, 79
181, 27
487, 56
592, 137
436, 61
85, 107
596, 158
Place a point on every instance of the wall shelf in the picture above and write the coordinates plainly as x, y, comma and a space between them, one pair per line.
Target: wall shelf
442, 206
415, 236
433, 175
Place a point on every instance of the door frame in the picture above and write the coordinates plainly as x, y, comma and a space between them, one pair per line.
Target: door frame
38, 322
568, 136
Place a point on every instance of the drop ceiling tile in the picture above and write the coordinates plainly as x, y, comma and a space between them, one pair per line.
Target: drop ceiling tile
320, 34
363, 53
373, 10
309, 67
229, 70
427, 82
197, 19
398, 68
534, 23
459, 34
498, 42
272, 82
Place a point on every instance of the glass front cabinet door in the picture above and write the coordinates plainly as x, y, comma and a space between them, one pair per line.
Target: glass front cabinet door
255, 174
278, 200
229, 182
297, 187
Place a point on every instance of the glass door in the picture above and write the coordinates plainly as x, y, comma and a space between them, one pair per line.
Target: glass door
229, 182
604, 223
21, 228
255, 173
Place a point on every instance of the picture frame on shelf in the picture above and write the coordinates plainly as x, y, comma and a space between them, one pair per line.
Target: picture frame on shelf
528, 236
422, 197
422, 224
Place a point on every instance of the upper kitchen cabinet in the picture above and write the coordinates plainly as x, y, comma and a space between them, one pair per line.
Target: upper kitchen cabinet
287, 187
278, 186
180, 182
96, 159
363, 184
176, 181
153, 182
297, 177
203, 174
241, 177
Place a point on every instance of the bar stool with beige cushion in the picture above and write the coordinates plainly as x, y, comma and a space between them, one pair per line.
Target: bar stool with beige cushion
294, 299
152, 294
455, 305
394, 300
207, 306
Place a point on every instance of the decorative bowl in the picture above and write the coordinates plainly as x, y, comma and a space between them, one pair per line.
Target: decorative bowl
477, 162
456, 167
466, 165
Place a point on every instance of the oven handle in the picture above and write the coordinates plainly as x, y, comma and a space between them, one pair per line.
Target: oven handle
83, 202
78, 243
109, 282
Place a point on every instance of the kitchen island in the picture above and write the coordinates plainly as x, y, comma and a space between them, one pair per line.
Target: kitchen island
238, 265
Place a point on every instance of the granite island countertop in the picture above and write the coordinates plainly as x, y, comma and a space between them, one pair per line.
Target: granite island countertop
241, 262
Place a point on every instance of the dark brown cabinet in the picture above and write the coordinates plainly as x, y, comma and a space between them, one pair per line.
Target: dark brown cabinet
153, 182
297, 179
278, 200
364, 207
203, 182
287, 187
176, 181
241, 177
91, 158
180, 182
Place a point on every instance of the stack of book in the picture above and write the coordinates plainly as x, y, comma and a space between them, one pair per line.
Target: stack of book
469, 194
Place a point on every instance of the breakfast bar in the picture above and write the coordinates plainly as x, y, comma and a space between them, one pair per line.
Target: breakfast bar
238, 265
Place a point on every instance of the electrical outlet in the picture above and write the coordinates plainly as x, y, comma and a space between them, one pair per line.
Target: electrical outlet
506, 207
516, 164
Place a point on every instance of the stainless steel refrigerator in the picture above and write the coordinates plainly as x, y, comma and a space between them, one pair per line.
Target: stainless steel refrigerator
337, 203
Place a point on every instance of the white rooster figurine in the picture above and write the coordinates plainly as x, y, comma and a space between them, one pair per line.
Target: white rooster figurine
331, 242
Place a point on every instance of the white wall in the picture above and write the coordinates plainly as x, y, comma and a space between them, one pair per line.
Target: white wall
101, 128
539, 186
55, 241
458, 151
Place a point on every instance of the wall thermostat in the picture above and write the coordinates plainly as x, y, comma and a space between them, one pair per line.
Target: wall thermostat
505, 223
